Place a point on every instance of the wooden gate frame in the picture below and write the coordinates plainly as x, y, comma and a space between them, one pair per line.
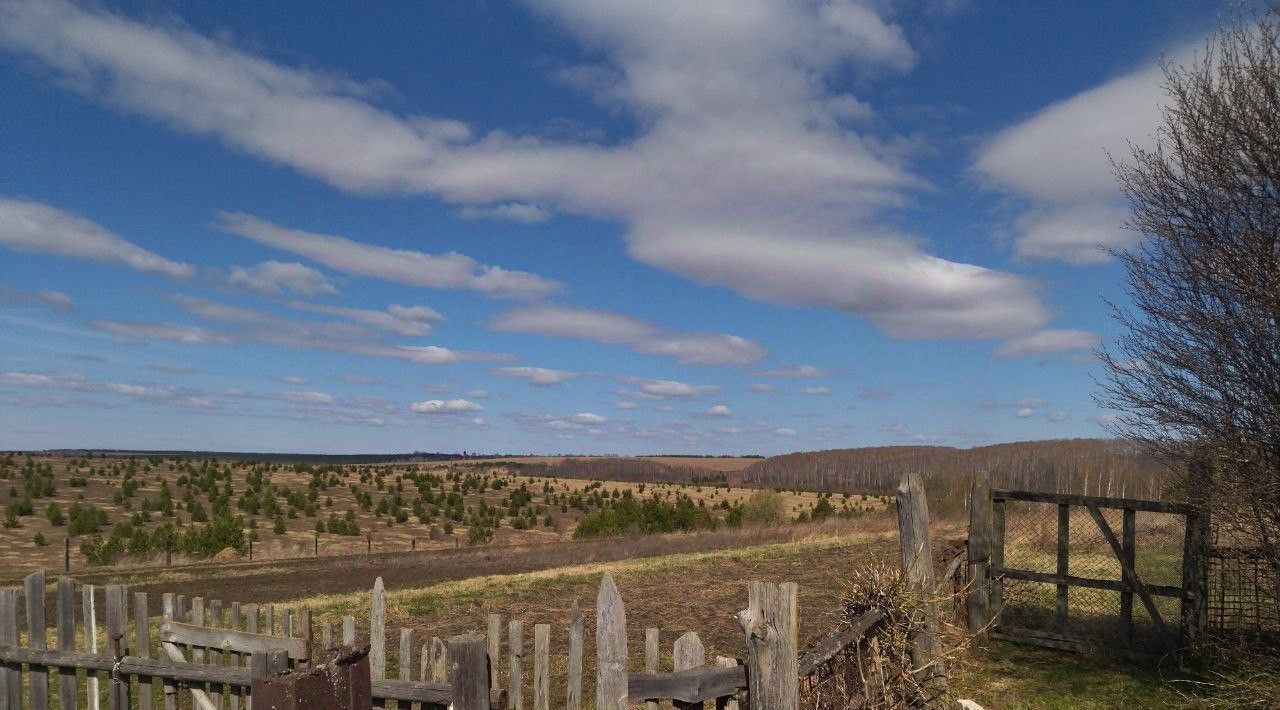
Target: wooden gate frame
988, 570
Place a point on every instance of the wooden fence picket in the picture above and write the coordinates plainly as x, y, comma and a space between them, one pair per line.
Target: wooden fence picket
439, 660
11, 674
142, 648
688, 652
771, 628
37, 675
573, 690
67, 641
611, 647
236, 659
117, 645
378, 635
468, 657
515, 649
89, 614
169, 612
214, 620
652, 656
542, 667
494, 637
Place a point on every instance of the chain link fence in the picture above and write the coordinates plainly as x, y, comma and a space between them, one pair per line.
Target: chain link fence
1244, 593
1106, 617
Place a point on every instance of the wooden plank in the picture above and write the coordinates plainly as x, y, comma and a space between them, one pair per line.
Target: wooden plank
227, 639
439, 661
652, 654
770, 624
1110, 585
117, 644
515, 678
1064, 559
179, 671
611, 647
197, 622
1127, 570
434, 694
573, 684
308, 631
326, 635
10, 672
1195, 578
37, 675
406, 654
378, 631
542, 667
89, 613
1128, 547
1149, 506
692, 686
494, 637
470, 672
978, 602
142, 648
688, 653
67, 641
835, 642
348, 631
269, 619
917, 566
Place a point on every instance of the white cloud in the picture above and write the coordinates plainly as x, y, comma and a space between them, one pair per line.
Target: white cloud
588, 418
511, 212
45, 296
815, 390
31, 226
144, 330
401, 320
1025, 412
477, 394
56, 299
607, 327
1057, 416
625, 405
293, 380
445, 406
743, 173
277, 277
1059, 160
540, 376
794, 371
671, 388
414, 268
1047, 342
785, 432
719, 410
763, 387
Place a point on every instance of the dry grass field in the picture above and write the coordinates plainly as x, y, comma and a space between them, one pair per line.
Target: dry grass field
545, 518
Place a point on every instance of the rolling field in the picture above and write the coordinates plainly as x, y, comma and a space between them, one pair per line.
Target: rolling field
362, 508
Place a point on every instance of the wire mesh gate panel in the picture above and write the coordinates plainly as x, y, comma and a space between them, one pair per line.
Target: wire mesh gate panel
1244, 593
1090, 572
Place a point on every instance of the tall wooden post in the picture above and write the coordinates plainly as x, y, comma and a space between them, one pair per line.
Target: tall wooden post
67, 641
771, 625
1195, 554
979, 554
38, 676
917, 565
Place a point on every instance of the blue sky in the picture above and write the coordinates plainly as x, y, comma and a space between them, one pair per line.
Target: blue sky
591, 226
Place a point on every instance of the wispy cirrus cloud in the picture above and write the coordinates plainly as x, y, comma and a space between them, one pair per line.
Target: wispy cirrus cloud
275, 278
29, 226
405, 266
44, 296
1048, 342
540, 376
608, 327
794, 371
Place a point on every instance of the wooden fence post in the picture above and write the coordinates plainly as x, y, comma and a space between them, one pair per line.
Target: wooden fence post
771, 625
406, 655
542, 667
573, 690
470, 672
996, 575
142, 648
67, 641
38, 676
439, 660
688, 653
611, 647
917, 565
728, 702
1195, 555
1064, 562
11, 673
979, 554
